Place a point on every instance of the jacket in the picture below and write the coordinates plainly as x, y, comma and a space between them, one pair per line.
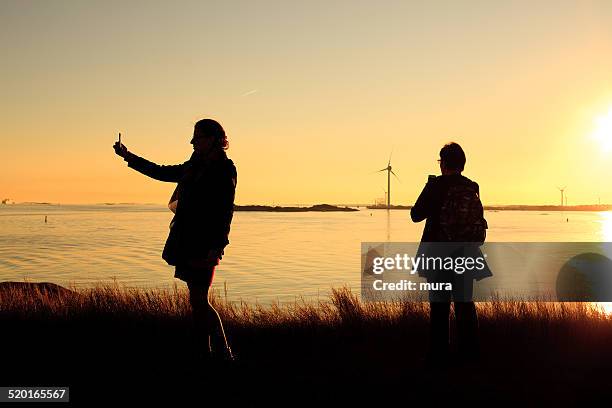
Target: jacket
205, 208
428, 206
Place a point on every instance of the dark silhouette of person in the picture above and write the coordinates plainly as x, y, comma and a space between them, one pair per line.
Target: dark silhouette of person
429, 206
203, 203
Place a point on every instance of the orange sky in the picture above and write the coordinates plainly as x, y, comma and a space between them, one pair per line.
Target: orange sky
314, 96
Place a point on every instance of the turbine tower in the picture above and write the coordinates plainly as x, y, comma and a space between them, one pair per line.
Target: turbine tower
561, 189
389, 171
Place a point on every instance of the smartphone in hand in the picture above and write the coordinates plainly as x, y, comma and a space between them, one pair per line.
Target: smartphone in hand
120, 149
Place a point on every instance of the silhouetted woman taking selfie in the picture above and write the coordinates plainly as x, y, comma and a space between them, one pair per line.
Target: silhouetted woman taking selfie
203, 203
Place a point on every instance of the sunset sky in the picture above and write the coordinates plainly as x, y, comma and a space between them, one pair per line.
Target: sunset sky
313, 96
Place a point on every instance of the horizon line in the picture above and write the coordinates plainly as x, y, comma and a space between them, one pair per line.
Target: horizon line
274, 204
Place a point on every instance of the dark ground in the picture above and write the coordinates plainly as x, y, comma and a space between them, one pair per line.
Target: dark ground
110, 359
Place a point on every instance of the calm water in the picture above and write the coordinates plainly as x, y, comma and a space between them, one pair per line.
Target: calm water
272, 256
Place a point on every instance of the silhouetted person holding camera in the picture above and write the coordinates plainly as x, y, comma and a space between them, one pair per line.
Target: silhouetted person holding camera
203, 203
455, 227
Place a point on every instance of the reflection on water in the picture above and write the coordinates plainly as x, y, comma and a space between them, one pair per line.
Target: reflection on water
272, 256
606, 236
606, 226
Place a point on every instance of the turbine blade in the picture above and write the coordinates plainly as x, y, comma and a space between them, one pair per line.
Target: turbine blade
396, 176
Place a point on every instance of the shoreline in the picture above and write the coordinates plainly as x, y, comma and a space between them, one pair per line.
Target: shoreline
334, 207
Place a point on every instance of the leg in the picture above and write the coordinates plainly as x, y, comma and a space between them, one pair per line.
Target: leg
467, 319
218, 340
208, 328
467, 329
198, 298
439, 311
438, 323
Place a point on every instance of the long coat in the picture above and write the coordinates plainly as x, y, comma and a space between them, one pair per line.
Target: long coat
206, 191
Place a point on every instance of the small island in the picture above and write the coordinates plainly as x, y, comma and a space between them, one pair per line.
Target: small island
317, 207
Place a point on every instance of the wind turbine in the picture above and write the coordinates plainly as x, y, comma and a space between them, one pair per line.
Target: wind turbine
562, 189
389, 171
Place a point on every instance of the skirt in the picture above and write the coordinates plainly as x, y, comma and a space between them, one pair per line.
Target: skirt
198, 276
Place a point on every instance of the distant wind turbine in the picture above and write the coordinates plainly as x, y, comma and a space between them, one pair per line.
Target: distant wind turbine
385, 195
562, 189
389, 171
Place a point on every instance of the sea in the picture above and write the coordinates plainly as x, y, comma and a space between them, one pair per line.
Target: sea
272, 256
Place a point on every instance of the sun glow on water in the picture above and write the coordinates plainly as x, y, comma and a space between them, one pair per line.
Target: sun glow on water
606, 227
606, 236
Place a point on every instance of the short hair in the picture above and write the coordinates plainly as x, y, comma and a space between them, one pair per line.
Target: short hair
453, 156
212, 128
